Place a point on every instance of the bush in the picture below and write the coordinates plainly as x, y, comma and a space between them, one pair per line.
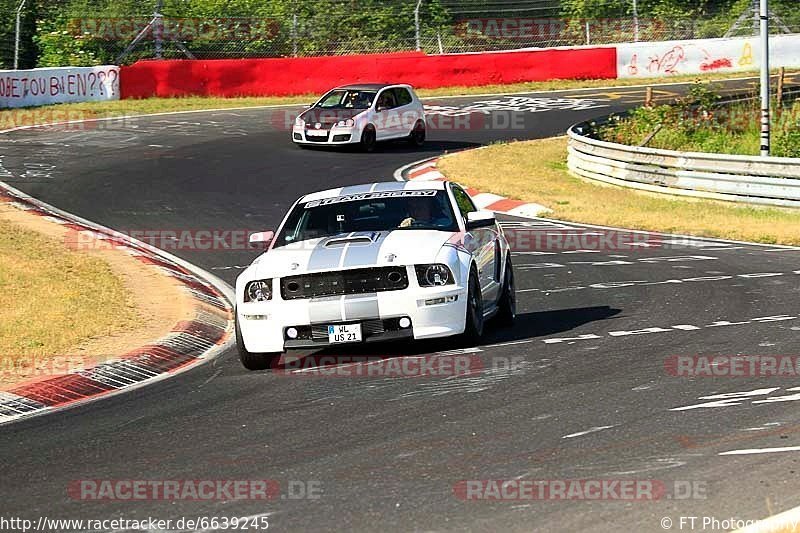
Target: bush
62, 49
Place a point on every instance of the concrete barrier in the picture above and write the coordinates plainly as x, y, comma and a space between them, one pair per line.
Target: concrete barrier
703, 56
42, 86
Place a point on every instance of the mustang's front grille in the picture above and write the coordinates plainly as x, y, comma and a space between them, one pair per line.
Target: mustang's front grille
356, 281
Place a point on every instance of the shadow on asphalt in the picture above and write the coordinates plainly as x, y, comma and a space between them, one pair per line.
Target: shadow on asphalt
528, 326
430, 148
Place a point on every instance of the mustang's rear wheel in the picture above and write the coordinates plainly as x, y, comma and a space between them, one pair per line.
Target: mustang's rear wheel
473, 330
250, 360
417, 136
507, 306
368, 138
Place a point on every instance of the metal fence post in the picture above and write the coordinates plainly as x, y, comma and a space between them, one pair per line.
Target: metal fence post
635, 22
416, 24
294, 34
17, 33
765, 125
158, 29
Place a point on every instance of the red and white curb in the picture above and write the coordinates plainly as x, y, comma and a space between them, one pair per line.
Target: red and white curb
189, 343
426, 170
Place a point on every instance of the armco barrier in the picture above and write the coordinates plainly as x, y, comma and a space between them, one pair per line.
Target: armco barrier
755, 180
41, 86
654, 59
301, 75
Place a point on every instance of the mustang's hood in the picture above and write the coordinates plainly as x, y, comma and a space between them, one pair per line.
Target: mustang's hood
352, 250
329, 116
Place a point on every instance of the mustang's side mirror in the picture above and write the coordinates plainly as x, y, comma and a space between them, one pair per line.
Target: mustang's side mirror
261, 238
480, 219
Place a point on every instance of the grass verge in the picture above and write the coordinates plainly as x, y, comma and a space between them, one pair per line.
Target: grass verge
53, 299
10, 118
536, 171
694, 124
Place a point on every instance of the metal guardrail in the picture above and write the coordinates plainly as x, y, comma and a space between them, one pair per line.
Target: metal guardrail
736, 178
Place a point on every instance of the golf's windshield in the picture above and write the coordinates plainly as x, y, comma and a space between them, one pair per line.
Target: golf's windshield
347, 99
373, 211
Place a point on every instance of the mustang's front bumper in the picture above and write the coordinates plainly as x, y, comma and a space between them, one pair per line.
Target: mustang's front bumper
432, 311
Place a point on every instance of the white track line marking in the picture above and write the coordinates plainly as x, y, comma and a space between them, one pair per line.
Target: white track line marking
590, 430
762, 450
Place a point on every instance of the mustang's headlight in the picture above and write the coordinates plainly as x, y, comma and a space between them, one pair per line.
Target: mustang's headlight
349, 123
258, 291
434, 275
299, 122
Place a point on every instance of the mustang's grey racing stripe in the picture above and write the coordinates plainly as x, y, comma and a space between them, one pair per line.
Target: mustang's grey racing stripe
337, 308
325, 257
326, 309
358, 306
361, 254
355, 189
389, 186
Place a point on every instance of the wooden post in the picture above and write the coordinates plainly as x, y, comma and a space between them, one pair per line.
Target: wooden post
648, 97
781, 76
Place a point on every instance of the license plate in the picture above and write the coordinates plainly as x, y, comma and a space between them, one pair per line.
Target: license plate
344, 333
316, 133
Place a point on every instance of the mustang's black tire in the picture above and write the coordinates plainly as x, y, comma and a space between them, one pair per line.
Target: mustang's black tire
473, 327
507, 306
254, 361
368, 138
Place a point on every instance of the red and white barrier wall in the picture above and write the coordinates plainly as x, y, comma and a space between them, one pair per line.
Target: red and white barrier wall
286, 76
301, 75
42, 86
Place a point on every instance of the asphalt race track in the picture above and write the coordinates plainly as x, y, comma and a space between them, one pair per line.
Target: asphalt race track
578, 389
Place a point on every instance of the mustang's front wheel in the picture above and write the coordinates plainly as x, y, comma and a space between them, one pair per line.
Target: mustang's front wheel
507, 307
250, 360
473, 328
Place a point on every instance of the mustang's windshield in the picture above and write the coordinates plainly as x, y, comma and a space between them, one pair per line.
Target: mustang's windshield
372, 211
347, 99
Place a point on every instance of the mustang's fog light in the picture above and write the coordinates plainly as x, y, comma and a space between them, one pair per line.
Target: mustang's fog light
404, 322
291, 333
442, 300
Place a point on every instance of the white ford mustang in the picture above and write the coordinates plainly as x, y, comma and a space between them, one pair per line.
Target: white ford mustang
378, 262
362, 114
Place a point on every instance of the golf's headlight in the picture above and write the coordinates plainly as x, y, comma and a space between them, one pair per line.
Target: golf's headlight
299, 122
258, 291
349, 123
435, 275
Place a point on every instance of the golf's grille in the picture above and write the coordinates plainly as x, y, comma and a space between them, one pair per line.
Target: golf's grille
356, 281
318, 138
